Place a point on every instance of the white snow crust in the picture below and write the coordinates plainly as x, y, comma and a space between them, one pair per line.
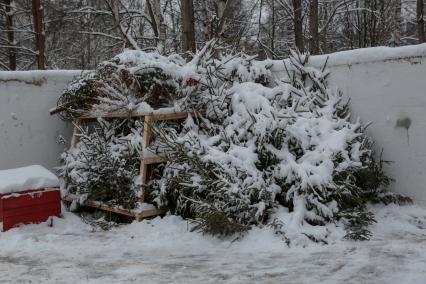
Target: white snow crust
38, 75
361, 55
165, 251
30, 177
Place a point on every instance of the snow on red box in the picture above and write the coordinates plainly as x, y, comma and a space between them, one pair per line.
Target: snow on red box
29, 206
28, 195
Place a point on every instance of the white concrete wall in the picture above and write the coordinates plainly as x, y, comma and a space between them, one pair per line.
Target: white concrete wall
386, 85
28, 134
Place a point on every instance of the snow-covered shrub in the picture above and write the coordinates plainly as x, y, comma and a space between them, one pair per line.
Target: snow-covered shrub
261, 147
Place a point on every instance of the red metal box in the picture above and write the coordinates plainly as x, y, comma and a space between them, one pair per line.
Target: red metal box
30, 206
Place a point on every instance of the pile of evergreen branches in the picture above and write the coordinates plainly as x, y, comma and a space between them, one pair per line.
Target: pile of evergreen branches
273, 152
267, 151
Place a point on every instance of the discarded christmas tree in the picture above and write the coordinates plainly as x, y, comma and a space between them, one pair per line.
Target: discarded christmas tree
105, 164
278, 152
283, 144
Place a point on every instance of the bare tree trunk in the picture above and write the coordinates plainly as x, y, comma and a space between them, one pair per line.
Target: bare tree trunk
273, 29
159, 19
188, 33
10, 35
220, 8
116, 14
37, 11
128, 41
206, 22
224, 9
313, 27
397, 19
420, 21
157, 23
298, 25
324, 29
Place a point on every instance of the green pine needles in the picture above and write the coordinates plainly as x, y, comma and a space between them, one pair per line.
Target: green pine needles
267, 151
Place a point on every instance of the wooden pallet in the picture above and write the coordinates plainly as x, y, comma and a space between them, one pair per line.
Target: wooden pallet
139, 216
149, 118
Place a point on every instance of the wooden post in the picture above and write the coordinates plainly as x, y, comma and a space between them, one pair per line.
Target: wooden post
144, 166
313, 27
75, 138
298, 24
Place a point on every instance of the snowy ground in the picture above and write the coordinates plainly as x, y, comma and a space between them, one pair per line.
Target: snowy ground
164, 251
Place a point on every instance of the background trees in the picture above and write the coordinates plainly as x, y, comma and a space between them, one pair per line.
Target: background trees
80, 34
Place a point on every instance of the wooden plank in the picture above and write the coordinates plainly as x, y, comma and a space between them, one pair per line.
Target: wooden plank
144, 178
97, 205
138, 216
154, 160
75, 138
90, 115
146, 131
144, 166
149, 213
156, 115
173, 116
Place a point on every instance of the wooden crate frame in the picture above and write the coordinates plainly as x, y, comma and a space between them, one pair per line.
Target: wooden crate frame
149, 118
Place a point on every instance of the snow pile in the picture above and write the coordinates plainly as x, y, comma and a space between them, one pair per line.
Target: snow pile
361, 55
30, 177
164, 249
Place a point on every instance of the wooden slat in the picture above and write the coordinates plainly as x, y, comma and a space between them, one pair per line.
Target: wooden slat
144, 166
149, 213
156, 115
113, 115
146, 131
102, 207
144, 179
154, 160
75, 133
172, 116
137, 216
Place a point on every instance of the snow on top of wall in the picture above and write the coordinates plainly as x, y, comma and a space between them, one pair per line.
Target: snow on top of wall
30, 177
361, 55
38, 77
